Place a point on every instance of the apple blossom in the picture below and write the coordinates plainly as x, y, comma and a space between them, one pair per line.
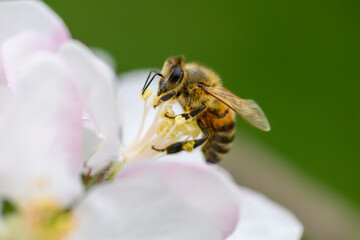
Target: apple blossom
60, 117
41, 127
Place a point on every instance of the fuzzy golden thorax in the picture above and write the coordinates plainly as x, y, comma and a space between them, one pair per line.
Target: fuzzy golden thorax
184, 82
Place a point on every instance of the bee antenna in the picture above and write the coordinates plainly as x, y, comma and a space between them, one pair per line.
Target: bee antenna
147, 82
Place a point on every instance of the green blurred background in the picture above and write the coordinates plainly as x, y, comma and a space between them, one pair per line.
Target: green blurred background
298, 59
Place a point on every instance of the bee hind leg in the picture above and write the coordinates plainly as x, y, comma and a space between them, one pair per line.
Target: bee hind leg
186, 145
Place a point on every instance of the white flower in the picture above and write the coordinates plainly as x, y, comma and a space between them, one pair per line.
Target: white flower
41, 129
58, 110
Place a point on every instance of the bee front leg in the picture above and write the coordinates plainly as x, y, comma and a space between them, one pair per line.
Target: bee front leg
187, 146
165, 98
193, 113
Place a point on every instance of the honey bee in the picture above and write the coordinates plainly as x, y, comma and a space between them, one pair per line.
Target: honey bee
201, 94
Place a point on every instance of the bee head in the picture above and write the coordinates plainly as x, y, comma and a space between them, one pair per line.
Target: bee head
173, 72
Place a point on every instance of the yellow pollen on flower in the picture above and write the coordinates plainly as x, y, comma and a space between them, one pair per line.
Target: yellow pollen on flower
179, 120
41, 218
146, 94
169, 111
189, 146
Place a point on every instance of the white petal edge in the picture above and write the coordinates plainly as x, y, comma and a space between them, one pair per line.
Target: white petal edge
19, 16
159, 200
95, 79
263, 219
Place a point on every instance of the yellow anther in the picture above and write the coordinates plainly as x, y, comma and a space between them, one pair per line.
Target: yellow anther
189, 146
169, 111
146, 94
179, 120
155, 101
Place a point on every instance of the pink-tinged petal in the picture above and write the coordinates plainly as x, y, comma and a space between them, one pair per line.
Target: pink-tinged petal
18, 16
18, 50
160, 200
262, 219
34, 16
95, 81
40, 134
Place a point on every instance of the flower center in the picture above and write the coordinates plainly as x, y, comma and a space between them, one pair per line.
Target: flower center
165, 130
39, 219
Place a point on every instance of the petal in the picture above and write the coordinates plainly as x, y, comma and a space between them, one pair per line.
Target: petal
130, 112
5, 96
104, 56
16, 52
34, 16
263, 219
159, 200
95, 80
40, 134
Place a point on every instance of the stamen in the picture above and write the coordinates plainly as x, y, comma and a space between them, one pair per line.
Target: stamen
166, 129
146, 94
146, 110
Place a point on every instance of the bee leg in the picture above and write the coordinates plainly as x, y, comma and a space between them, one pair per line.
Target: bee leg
168, 96
186, 145
192, 113
165, 98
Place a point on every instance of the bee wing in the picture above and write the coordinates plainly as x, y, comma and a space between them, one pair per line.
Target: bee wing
245, 108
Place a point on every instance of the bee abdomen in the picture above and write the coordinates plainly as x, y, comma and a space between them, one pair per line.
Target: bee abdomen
221, 125
224, 137
218, 145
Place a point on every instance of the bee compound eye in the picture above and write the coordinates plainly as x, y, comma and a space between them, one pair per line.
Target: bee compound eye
176, 75
162, 86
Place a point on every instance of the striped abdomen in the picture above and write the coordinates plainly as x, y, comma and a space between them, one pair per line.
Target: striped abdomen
220, 122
